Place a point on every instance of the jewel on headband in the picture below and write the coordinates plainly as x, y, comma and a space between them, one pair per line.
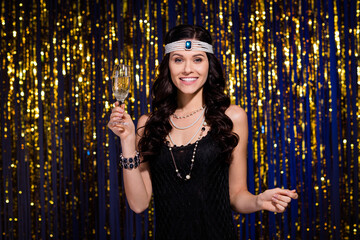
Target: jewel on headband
188, 45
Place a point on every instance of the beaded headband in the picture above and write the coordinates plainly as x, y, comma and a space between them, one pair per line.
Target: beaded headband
188, 45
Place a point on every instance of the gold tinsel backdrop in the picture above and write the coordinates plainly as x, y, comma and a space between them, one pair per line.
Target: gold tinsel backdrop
294, 66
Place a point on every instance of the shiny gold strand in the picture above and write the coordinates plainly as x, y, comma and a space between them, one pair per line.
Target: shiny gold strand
74, 58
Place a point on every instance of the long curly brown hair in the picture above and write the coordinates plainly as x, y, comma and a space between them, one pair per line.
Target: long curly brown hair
164, 94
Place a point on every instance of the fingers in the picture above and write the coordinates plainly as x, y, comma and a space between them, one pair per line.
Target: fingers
279, 208
118, 113
119, 118
118, 108
282, 198
115, 118
290, 193
281, 202
117, 104
294, 194
118, 127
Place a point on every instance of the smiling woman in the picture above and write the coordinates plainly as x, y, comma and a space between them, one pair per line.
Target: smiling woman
193, 147
189, 71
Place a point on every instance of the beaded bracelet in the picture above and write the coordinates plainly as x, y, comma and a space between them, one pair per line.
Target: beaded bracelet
130, 163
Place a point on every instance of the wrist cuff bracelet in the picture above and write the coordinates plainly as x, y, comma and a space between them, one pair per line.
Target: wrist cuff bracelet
130, 163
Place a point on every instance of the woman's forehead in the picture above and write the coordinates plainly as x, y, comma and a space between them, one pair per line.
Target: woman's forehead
184, 53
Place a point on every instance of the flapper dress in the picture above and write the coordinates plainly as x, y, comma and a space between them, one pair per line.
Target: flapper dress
198, 208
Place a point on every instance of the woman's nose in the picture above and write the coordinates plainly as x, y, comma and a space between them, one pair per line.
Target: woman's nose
187, 67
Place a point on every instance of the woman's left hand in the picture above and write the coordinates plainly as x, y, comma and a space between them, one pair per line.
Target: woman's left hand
276, 200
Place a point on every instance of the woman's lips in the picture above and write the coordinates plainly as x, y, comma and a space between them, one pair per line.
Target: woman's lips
188, 80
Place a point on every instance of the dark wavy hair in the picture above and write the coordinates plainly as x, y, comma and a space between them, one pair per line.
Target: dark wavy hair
164, 103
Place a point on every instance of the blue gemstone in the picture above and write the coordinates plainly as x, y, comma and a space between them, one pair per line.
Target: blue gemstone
188, 45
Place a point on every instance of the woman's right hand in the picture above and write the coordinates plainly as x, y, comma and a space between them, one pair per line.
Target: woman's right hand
121, 123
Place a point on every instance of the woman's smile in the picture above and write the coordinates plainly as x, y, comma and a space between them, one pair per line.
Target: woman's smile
189, 70
189, 80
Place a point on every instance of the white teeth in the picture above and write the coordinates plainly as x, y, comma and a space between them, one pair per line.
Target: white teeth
188, 79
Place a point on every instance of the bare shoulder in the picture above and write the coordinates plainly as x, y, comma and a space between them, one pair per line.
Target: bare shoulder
236, 114
143, 119
141, 123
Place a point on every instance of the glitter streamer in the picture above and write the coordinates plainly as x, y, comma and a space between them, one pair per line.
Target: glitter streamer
292, 154
114, 193
250, 220
334, 126
306, 111
355, 115
101, 181
319, 109
282, 84
59, 160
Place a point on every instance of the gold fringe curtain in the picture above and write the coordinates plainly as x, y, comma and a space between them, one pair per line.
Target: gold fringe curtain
294, 66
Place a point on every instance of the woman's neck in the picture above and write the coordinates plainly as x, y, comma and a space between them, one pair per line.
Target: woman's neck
189, 103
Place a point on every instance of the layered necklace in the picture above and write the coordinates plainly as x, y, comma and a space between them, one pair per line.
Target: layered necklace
192, 124
188, 115
201, 129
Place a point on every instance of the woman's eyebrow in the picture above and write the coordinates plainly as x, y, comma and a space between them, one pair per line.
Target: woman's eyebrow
196, 55
199, 55
177, 54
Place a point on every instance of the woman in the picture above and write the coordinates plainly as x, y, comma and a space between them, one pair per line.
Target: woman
193, 147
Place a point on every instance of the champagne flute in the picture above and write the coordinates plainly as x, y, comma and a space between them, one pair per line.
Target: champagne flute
121, 83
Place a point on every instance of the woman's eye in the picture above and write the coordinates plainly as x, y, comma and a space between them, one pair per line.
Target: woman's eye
177, 60
198, 60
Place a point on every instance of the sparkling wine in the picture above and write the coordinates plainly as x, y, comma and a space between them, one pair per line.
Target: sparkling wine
121, 87
121, 94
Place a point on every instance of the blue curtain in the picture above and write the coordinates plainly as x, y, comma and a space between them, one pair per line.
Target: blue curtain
292, 65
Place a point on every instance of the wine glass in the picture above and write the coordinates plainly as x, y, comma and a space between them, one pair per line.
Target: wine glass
121, 82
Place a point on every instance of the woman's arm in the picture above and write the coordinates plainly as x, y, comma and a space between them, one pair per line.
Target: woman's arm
137, 182
275, 200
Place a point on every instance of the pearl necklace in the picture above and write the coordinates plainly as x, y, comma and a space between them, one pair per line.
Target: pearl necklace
202, 124
189, 126
188, 115
178, 174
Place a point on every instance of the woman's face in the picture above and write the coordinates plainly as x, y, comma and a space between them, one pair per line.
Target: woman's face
189, 70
